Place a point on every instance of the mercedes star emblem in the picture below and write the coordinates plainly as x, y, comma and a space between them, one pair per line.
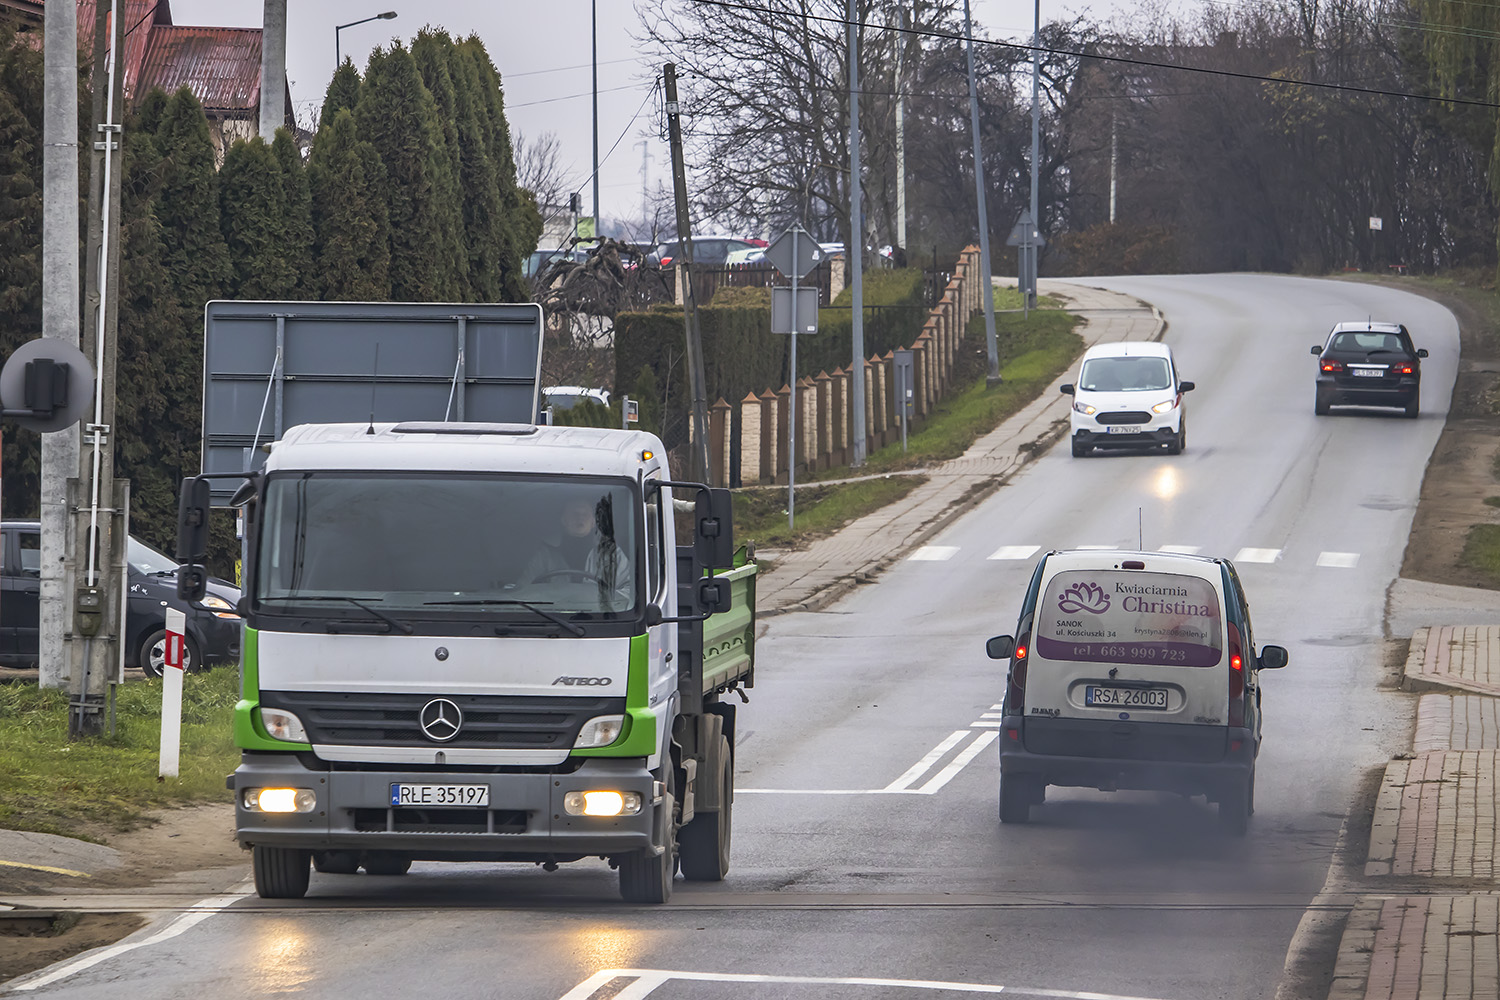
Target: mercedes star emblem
441, 652
441, 720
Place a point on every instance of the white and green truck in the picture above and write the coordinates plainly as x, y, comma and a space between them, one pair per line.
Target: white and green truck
481, 641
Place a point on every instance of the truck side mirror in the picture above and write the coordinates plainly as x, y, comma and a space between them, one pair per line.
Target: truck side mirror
192, 521
1000, 647
713, 537
712, 596
192, 583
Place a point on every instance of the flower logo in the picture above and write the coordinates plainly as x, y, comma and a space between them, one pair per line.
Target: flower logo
1088, 597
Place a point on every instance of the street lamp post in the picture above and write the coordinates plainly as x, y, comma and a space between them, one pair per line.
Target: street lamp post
338, 59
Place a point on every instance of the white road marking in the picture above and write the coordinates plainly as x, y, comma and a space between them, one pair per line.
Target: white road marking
1339, 560
1015, 552
196, 914
933, 756
647, 980
1248, 555
971, 751
976, 725
1184, 550
1096, 548
934, 553
993, 715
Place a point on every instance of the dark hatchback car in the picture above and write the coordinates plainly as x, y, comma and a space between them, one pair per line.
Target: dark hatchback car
1369, 364
213, 631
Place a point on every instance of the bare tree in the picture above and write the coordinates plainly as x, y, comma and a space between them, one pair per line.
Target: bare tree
539, 170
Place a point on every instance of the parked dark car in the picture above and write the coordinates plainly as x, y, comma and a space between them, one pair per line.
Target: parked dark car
213, 631
1369, 364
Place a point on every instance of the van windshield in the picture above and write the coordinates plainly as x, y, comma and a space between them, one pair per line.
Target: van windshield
1125, 374
1113, 616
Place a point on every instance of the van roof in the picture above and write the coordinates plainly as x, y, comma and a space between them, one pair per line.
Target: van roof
1128, 349
1158, 562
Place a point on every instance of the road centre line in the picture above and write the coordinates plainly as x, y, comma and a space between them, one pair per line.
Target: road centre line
933, 756
195, 914
44, 868
647, 980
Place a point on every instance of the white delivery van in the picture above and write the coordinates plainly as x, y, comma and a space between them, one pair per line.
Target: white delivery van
1132, 670
1128, 395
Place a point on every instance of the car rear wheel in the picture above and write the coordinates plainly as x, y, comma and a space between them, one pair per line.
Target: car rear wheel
1414, 407
153, 654
1321, 402
1017, 795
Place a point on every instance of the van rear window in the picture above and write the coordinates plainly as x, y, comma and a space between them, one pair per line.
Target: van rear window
1109, 616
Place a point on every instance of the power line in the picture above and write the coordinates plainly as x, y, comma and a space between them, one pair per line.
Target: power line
1124, 60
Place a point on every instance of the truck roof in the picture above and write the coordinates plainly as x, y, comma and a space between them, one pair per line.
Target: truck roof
468, 447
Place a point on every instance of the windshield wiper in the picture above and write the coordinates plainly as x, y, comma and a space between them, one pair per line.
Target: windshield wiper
528, 605
392, 622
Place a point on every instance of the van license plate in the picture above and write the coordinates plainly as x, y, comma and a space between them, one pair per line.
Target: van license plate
1098, 696
1124, 428
429, 796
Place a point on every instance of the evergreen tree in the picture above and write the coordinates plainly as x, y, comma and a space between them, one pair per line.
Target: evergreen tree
483, 214
431, 51
252, 215
297, 233
20, 246
350, 224
343, 92
397, 116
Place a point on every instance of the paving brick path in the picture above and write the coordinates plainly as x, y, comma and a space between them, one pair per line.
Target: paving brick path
1466, 657
1460, 722
1420, 947
825, 570
1436, 816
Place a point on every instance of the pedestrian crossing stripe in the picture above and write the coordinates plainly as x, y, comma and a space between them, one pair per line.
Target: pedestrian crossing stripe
1338, 560
934, 553
1015, 552
1249, 555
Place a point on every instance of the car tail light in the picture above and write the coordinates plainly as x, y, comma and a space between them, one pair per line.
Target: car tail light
666, 262
1401, 368
1016, 698
1236, 678
1329, 365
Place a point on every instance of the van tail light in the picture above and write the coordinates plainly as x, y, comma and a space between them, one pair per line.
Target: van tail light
1016, 697
1329, 365
1236, 678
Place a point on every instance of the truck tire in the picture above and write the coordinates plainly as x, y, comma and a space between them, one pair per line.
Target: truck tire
281, 872
646, 877
704, 843
335, 862
1016, 797
378, 863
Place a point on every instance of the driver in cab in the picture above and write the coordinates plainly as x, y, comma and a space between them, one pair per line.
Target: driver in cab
584, 550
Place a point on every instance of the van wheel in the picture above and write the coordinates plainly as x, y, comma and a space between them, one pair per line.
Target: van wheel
1017, 794
280, 872
386, 864
646, 877
704, 842
335, 862
1236, 806
1178, 444
1079, 449
153, 654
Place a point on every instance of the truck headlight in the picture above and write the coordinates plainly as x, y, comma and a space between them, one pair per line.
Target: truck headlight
600, 731
283, 725
602, 803
279, 800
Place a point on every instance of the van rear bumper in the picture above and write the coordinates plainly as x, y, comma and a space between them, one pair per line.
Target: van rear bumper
1189, 771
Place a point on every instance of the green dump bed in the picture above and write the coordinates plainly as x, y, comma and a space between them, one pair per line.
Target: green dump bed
729, 636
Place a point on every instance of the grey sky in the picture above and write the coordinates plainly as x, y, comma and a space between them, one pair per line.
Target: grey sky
543, 52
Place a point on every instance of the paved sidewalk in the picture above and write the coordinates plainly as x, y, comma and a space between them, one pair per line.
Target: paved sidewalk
1435, 935
814, 577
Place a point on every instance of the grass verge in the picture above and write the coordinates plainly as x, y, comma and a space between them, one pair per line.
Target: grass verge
822, 509
88, 788
1482, 551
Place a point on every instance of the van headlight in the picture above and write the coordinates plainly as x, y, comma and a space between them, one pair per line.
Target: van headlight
220, 607
600, 731
283, 725
1085, 409
1166, 407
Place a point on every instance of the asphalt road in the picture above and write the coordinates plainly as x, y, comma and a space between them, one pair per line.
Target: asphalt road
868, 859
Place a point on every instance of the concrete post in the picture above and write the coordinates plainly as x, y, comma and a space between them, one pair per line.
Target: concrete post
272, 68
751, 440
718, 441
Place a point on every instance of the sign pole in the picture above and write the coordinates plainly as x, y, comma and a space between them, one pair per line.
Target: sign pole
791, 423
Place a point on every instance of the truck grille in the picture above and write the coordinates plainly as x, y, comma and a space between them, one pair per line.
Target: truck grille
1124, 417
439, 820
394, 720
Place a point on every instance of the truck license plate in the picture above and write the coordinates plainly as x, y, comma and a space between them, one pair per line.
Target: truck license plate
429, 796
1121, 697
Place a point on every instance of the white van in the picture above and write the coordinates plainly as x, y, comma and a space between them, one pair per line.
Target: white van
1128, 396
1132, 670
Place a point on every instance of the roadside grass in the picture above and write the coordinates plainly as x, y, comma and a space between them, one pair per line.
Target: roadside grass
1033, 350
90, 787
1482, 551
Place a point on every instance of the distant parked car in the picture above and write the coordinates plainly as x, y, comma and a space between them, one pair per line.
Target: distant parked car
752, 255
706, 249
1369, 364
213, 631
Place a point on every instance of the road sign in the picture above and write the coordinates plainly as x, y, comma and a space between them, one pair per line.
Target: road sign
47, 385
1025, 232
1376, 222
795, 253
807, 310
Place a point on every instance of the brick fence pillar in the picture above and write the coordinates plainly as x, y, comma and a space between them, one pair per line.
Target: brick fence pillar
718, 442
822, 389
838, 412
770, 437
752, 451
784, 448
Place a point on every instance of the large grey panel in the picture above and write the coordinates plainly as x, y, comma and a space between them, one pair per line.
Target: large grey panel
347, 361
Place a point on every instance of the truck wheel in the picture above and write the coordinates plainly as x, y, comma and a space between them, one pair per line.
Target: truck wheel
1016, 797
386, 864
646, 877
1236, 806
280, 872
704, 843
335, 862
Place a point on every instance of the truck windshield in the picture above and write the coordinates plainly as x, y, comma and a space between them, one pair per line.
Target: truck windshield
450, 545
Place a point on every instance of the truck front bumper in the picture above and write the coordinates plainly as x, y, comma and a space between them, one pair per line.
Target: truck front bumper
524, 821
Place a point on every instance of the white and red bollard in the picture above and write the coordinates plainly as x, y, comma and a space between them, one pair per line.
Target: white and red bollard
171, 694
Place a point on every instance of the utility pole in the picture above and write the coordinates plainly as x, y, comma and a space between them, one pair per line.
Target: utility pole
273, 68
645, 148
598, 216
1114, 158
98, 502
986, 281
698, 431
853, 250
60, 295
1036, 145
900, 138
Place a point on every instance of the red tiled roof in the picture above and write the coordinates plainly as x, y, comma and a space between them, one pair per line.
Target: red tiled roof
142, 19
220, 65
